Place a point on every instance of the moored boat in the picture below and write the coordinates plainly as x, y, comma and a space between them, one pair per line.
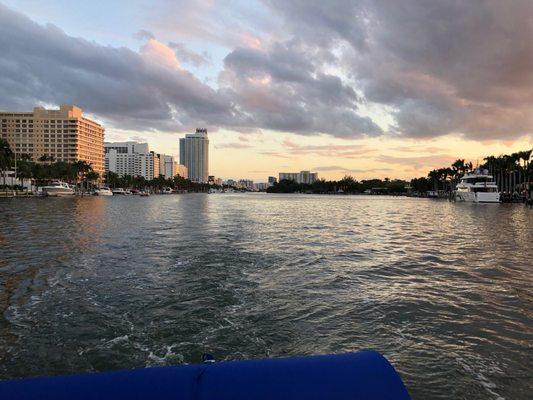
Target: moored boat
103, 191
119, 191
57, 189
477, 187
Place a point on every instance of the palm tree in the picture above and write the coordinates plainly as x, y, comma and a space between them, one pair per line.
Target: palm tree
525, 156
82, 168
435, 177
458, 169
6, 157
25, 170
92, 176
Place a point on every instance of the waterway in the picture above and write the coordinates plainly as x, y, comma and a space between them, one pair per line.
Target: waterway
444, 290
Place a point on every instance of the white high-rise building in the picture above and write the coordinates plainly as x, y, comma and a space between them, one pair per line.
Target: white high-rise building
194, 154
131, 158
168, 166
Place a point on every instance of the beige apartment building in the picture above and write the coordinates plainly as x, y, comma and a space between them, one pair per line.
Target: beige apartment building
64, 134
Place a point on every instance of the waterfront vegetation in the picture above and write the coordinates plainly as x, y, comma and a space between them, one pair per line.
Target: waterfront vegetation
138, 182
511, 172
347, 185
80, 174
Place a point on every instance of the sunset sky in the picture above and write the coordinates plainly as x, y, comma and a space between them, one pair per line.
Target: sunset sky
370, 88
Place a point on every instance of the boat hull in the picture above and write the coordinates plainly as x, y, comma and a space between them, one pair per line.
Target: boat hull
479, 197
363, 375
58, 193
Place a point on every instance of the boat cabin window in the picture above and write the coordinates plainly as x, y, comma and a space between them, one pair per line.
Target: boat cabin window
476, 180
484, 189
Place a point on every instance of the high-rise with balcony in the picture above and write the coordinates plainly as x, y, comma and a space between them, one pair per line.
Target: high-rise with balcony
64, 134
194, 154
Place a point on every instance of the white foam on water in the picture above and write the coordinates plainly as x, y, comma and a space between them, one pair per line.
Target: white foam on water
482, 379
154, 359
118, 339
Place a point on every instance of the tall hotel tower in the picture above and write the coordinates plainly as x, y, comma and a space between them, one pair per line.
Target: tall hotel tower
64, 134
194, 154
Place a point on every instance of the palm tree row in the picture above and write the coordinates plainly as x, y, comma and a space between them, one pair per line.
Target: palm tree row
156, 184
347, 185
6, 158
446, 178
510, 171
46, 169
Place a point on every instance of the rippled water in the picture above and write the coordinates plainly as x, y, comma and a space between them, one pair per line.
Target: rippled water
444, 290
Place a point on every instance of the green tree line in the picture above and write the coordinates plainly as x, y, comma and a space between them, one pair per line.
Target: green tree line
82, 173
510, 172
347, 185
138, 182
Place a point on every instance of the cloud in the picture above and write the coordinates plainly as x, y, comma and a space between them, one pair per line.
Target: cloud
442, 67
350, 170
284, 88
349, 151
233, 145
188, 56
143, 35
274, 154
305, 66
146, 90
419, 162
160, 54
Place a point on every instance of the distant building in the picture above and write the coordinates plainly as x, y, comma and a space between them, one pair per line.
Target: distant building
194, 154
246, 184
272, 180
180, 170
262, 186
299, 177
157, 164
131, 158
64, 134
168, 169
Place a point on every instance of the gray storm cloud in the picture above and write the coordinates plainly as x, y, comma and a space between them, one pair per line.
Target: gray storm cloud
438, 67
442, 66
43, 64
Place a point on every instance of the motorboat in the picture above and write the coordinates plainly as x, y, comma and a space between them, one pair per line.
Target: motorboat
57, 189
103, 191
119, 191
167, 190
477, 187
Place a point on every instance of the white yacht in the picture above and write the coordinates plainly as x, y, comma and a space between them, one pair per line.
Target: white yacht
119, 191
57, 189
103, 191
477, 187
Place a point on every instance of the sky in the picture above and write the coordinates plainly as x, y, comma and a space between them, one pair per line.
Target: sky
368, 88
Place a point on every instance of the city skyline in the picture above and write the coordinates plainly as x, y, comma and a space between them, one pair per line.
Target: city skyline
375, 100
